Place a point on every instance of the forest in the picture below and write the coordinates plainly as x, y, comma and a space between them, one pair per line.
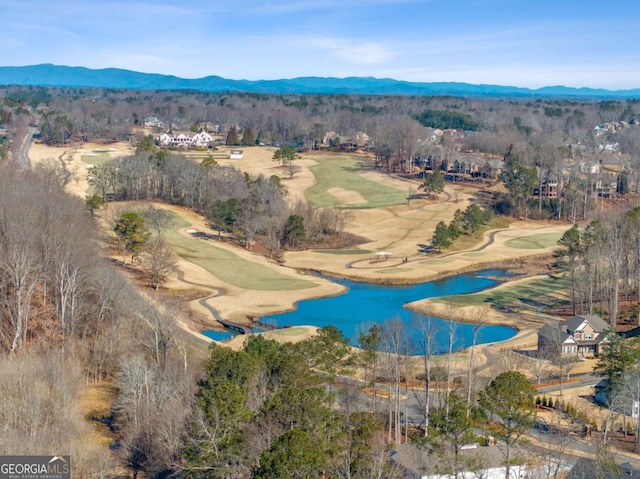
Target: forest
73, 323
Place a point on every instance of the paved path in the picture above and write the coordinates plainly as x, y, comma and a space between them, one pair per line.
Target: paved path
22, 153
243, 329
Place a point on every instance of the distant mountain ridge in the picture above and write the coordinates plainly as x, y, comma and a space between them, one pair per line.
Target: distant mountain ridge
64, 76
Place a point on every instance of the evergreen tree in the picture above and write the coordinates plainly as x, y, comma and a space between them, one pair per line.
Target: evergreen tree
617, 356
132, 232
294, 455
433, 183
223, 215
571, 243
285, 155
474, 217
441, 239
232, 137
248, 137
294, 231
510, 397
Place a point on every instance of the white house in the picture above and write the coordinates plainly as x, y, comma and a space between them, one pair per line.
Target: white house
184, 140
202, 139
164, 139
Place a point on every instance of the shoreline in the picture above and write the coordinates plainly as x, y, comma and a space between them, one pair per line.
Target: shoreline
395, 228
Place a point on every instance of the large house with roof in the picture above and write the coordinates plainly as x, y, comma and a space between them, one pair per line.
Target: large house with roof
581, 335
185, 140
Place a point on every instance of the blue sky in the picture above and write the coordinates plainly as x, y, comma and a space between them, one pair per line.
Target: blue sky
506, 42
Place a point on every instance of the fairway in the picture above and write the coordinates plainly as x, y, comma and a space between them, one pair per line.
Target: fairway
96, 158
534, 292
539, 241
231, 268
340, 173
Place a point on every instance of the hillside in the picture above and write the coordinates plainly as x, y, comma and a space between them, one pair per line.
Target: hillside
56, 75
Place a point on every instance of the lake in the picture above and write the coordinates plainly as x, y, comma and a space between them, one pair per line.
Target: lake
365, 304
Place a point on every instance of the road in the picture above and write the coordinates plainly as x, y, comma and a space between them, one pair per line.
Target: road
542, 444
22, 153
578, 381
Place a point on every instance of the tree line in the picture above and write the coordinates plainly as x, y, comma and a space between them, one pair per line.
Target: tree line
603, 260
394, 124
233, 201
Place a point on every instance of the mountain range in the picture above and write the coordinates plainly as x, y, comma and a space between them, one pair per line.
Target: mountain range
65, 76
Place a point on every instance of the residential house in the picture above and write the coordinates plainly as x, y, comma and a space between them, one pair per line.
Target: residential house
494, 168
485, 462
202, 139
181, 141
361, 139
587, 468
164, 139
605, 189
152, 122
185, 140
329, 137
614, 162
549, 189
581, 335
592, 167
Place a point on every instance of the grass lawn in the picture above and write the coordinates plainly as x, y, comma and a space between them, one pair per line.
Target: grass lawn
544, 240
293, 331
228, 266
342, 172
535, 293
96, 158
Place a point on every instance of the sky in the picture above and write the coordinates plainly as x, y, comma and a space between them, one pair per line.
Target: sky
526, 43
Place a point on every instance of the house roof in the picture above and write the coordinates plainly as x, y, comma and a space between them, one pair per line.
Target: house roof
496, 164
586, 468
414, 461
554, 333
594, 320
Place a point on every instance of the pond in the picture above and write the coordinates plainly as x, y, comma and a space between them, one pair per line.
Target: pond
365, 304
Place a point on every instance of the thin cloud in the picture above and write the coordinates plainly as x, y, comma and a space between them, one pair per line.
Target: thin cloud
361, 53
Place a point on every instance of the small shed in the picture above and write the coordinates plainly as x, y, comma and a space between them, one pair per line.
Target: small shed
236, 154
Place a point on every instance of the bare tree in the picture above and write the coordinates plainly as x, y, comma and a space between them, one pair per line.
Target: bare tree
158, 261
157, 219
161, 323
541, 362
477, 326
425, 333
394, 345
